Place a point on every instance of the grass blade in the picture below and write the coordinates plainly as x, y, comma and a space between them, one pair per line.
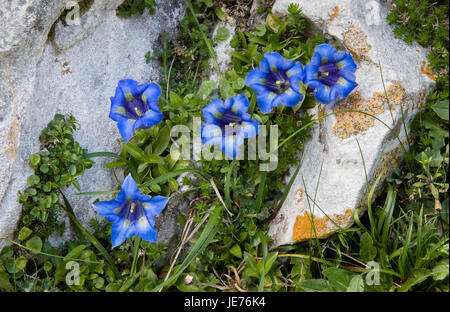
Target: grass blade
90, 237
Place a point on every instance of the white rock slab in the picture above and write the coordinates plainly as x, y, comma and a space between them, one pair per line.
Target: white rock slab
331, 184
76, 73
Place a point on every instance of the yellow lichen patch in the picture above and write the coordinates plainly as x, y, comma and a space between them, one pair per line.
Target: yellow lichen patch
353, 123
426, 70
333, 15
307, 226
355, 40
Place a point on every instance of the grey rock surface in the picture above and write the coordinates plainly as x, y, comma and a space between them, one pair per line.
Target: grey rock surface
331, 184
75, 73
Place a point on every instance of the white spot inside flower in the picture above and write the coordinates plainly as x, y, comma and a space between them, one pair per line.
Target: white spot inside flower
188, 279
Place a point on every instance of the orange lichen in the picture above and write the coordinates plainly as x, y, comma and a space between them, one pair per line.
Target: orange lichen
353, 123
333, 15
307, 226
426, 70
355, 40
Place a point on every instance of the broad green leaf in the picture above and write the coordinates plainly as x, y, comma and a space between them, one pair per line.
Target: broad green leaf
161, 143
24, 233
260, 30
314, 285
356, 284
338, 278
236, 251
226, 91
207, 87
441, 109
35, 159
222, 34
35, 244
367, 250
273, 22
441, 270
74, 253
220, 14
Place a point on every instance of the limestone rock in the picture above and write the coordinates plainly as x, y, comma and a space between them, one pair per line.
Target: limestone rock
331, 184
77, 72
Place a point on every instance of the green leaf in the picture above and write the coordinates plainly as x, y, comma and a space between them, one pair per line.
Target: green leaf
419, 276
135, 151
220, 14
441, 270
356, 284
222, 34
24, 233
441, 109
33, 180
35, 244
260, 30
314, 285
162, 141
238, 83
236, 251
338, 278
226, 91
35, 159
273, 22
367, 250
207, 87
74, 253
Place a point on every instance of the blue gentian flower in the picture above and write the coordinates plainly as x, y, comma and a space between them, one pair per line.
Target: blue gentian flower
135, 106
276, 81
131, 213
228, 124
330, 74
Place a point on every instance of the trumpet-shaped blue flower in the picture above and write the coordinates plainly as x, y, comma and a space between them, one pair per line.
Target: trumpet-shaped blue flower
135, 106
330, 73
131, 213
276, 81
228, 124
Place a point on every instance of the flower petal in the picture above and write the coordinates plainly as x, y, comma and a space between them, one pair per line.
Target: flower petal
155, 205
129, 88
311, 72
211, 134
265, 100
249, 129
145, 230
288, 98
118, 103
151, 95
106, 207
213, 111
119, 232
325, 94
126, 128
240, 104
344, 86
256, 79
149, 119
272, 62
326, 52
130, 188
346, 64
231, 145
